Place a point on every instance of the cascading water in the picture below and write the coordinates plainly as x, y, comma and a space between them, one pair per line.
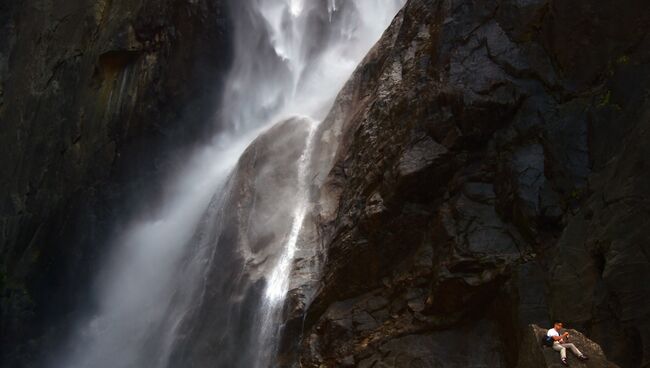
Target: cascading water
203, 282
278, 281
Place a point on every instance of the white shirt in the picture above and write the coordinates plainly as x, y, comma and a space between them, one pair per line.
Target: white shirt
552, 332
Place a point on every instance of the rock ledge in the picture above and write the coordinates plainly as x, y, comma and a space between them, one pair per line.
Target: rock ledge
533, 354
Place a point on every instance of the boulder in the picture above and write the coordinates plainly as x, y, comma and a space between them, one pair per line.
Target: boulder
534, 354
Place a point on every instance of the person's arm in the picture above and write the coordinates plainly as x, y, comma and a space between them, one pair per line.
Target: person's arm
558, 338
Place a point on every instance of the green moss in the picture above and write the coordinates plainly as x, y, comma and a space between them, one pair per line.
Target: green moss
606, 100
623, 60
577, 194
613, 64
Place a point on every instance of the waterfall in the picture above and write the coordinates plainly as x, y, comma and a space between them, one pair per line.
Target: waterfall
202, 282
278, 280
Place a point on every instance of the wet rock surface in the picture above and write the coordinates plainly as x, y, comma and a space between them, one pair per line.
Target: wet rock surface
97, 100
241, 236
484, 170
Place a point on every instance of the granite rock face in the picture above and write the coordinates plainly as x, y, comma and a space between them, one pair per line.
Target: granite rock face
484, 170
96, 99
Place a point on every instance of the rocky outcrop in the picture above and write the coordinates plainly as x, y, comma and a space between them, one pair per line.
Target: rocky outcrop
91, 95
484, 171
237, 245
534, 354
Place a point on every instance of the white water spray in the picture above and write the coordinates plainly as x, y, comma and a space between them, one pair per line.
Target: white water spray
278, 282
291, 58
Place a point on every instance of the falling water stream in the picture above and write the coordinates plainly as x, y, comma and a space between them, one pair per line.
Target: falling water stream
180, 287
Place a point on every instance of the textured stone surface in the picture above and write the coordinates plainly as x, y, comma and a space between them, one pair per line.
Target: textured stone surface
484, 166
440, 349
91, 95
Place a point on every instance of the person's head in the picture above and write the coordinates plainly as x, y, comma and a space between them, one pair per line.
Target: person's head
557, 325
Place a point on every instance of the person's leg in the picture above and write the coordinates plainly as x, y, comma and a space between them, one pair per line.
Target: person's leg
573, 349
558, 347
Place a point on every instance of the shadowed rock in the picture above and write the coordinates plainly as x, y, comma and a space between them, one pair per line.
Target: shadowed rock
467, 180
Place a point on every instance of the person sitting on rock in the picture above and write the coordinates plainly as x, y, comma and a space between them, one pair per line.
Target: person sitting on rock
560, 342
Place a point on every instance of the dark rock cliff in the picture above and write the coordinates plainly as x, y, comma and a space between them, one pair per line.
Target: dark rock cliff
488, 171
96, 99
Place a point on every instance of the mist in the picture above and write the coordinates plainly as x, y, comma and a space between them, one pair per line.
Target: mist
203, 279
